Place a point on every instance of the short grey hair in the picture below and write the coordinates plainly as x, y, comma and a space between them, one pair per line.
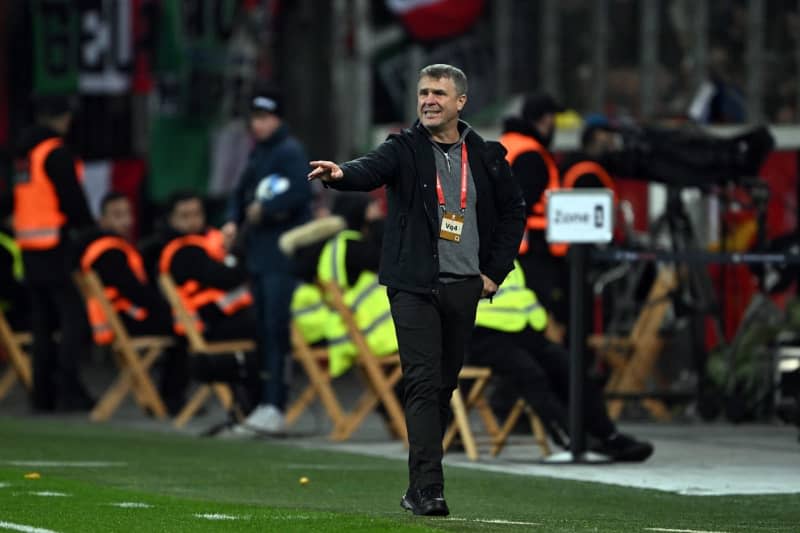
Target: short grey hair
441, 70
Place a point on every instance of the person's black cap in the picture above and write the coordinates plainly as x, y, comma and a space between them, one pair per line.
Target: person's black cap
539, 104
266, 100
53, 105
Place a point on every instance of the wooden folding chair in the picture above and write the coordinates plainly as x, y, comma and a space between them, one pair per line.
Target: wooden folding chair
319, 383
475, 399
19, 368
198, 346
379, 374
540, 436
633, 358
134, 356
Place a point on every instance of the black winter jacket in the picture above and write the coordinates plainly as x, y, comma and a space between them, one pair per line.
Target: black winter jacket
405, 164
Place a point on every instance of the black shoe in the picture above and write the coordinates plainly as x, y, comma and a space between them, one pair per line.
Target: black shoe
428, 501
624, 448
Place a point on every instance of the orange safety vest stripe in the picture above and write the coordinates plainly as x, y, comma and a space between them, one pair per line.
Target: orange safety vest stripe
37, 212
193, 296
587, 167
173, 246
100, 246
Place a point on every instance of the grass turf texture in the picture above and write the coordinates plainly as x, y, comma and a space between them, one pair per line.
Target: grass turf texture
257, 482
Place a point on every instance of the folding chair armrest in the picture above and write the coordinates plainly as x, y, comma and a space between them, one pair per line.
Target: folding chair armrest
148, 341
607, 342
221, 347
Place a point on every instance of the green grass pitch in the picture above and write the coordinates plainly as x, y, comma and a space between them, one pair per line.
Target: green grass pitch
104, 478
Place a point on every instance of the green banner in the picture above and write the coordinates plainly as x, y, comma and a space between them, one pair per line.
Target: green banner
56, 33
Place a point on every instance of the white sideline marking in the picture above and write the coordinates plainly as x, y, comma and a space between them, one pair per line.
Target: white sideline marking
218, 516
131, 505
24, 528
494, 521
313, 466
75, 464
48, 493
4, 485
666, 530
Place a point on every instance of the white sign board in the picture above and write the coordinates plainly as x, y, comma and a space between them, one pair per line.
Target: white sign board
580, 215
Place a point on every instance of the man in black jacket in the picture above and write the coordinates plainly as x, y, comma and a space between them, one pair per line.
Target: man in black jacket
454, 224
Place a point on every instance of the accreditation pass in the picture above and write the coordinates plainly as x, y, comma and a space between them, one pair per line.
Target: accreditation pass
452, 224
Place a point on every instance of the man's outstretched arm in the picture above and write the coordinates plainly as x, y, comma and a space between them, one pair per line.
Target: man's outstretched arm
375, 169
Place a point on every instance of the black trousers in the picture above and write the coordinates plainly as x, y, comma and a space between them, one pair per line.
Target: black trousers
538, 370
57, 306
432, 333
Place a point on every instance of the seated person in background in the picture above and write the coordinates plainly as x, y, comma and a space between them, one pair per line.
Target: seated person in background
212, 287
509, 338
350, 260
14, 298
109, 251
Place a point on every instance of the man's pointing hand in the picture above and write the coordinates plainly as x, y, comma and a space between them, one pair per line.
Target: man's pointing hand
325, 171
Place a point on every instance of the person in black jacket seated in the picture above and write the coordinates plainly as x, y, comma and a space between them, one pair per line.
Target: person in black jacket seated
526, 364
454, 224
212, 285
110, 252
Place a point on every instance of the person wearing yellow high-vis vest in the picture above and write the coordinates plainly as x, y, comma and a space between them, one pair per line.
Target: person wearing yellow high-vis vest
365, 297
324, 251
509, 339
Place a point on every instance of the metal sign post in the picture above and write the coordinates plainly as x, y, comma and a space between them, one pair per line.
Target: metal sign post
579, 217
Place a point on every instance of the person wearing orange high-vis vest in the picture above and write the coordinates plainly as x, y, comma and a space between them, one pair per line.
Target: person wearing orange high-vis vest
49, 208
111, 254
213, 290
212, 285
527, 139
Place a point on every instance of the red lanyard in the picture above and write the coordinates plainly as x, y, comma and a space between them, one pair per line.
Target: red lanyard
464, 163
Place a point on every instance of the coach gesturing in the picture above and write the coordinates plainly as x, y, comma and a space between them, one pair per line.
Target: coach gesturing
454, 225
